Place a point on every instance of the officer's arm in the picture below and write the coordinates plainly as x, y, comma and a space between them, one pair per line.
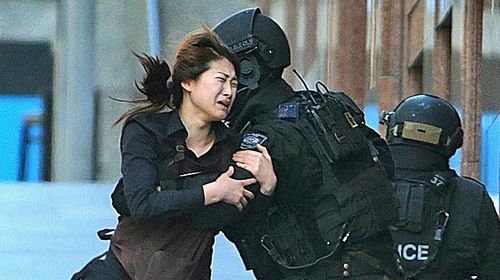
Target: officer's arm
384, 153
489, 236
220, 214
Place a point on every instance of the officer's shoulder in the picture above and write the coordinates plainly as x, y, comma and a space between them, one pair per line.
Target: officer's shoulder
470, 185
274, 127
470, 181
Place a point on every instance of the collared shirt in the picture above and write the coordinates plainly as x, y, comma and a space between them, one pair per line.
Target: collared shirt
149, 139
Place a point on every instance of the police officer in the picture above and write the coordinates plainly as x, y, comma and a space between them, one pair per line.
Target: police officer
326, 219
448, 227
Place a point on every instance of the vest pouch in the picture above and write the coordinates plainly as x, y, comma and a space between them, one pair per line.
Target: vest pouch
347, 132
329, 219
337, 123
292, 241
366, 202
423, 220
411, 196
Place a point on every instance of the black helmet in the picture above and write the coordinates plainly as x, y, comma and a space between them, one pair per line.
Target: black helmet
425, 120
260, 43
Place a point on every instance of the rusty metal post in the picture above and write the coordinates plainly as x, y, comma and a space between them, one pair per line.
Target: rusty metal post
441, 63
470, 87
347, 69
391, 54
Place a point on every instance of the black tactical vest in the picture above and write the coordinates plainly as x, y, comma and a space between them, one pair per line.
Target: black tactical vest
355, 199
429, 225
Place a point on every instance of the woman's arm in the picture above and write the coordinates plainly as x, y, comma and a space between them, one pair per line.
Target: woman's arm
140, 154
139, 149
260, 165
228, 190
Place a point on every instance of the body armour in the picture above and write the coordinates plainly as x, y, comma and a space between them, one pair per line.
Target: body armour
352, 202
437, 229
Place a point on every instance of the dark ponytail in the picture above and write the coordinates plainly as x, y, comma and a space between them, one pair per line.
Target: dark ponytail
159, 91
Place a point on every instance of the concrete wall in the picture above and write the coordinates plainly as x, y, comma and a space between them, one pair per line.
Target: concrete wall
92, 44
28, 20
119, 27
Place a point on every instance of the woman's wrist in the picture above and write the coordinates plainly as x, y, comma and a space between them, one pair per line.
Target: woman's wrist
210, 193
267, 189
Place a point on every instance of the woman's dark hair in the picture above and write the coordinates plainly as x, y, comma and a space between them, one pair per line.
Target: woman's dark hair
194, 55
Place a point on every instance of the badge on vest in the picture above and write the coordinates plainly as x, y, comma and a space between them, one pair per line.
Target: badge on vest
250, 140
288, 110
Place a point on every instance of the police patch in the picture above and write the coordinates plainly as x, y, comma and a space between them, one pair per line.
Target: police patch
288, 110
250, 140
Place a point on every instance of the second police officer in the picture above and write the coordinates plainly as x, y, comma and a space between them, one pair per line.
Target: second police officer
448, 227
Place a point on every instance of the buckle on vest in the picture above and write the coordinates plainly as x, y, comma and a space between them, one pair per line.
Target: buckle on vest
442, 221
179, 153
350, 119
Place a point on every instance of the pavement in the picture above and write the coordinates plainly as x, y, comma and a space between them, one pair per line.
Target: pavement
48, 231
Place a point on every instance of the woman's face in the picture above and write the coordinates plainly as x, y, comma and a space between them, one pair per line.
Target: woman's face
211, 96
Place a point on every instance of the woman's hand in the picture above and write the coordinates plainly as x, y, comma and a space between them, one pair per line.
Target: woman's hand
260, 165
229, 190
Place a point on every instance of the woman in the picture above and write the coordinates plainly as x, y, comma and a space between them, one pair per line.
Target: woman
175, 163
